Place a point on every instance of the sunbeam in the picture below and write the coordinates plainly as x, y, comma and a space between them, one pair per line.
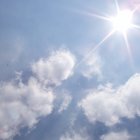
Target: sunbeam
98, 16
117, 6
135, 26
128, 48
92, 50
93, 15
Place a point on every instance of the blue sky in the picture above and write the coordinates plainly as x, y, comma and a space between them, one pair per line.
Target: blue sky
62, 77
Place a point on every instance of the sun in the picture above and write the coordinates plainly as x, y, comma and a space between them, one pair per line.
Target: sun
122, 21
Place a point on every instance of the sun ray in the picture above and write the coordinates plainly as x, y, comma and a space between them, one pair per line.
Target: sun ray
99, 16
135, 26
117, 6
93, 15
128, 50
127, 45
92, 50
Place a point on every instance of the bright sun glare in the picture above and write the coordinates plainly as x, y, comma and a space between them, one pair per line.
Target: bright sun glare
123, 21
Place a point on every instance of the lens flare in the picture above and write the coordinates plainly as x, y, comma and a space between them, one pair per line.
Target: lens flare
121, 22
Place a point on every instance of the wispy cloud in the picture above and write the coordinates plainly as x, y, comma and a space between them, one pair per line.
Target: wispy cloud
92, 66
74, 136
66, 100
116, 136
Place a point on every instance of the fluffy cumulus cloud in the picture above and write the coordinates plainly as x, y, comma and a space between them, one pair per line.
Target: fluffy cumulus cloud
74, 136
108, 105
116, 136
56, 68
22, 104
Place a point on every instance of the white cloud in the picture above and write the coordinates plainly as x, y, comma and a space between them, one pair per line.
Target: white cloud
22, 104
74, 136
116, 136
108, 105
56, 68
92, 66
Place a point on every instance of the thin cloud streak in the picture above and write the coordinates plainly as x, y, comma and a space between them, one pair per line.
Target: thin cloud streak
92, 50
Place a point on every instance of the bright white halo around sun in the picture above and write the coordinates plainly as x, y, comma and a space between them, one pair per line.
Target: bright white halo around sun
123, 21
